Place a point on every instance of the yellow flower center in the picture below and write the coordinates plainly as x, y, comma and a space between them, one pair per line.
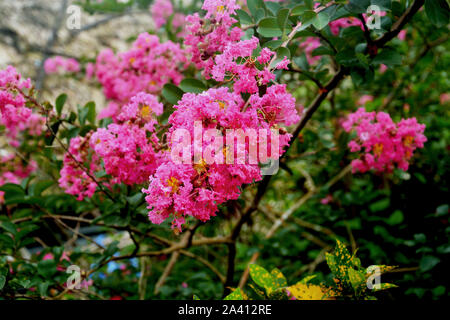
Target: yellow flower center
408, 141
201, 166
132, 60
174, 184
145, 111
377, 149
220, 8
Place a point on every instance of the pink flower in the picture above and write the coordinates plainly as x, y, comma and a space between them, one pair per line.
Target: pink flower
283, 64
79, 166
210, 35
444, 98
161, 10
383, 68
383, 144
196, 188
327, 199
61, 65
308, 46
13, 112
127, 148
146, 67
364, 99
402, 35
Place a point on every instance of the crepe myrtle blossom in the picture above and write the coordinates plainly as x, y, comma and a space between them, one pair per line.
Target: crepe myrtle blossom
61, 65
146, 67
161, 10
13, 112
127, 147
13, 169
80, 164
215, 147
383, 145
209, 36
247, 73
308, 46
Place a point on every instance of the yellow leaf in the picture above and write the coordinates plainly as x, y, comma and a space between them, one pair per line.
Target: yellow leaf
303, 291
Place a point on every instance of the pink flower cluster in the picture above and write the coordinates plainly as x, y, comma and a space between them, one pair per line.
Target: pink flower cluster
384, 144
236, 62
146, 67
308, 46
74, 178
13, 112
211, 34
17, 120
196, 190
61, 65
128, 147
161, 10
337, 25
13, 169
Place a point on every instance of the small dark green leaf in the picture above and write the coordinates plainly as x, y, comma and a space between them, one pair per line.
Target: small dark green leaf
438, 12
388, 57
60, 101
192, 85
268, 27
172, 93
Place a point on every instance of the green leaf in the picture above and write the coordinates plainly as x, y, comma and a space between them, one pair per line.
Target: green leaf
298, 10
380, 205
395, 218
259, 15
279, 281
192, 85
47, 268
235, 295
322, 50
347, 58
388, 57
60, 101
385, 286
254, 5
2, 281
91, 113
358, 6
383, 4
244, 17
42, 287
172, 93
438, 12
273, 44
12, 190
273, 7
307, 18
428, 262
357, 279
9, 227
39, 187
268, 27
282, 18
261, 277
321, 20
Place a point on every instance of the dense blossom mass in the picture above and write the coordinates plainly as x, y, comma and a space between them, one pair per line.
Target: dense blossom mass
61, 65
213, 142
146, 67
128, 146
383, 144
